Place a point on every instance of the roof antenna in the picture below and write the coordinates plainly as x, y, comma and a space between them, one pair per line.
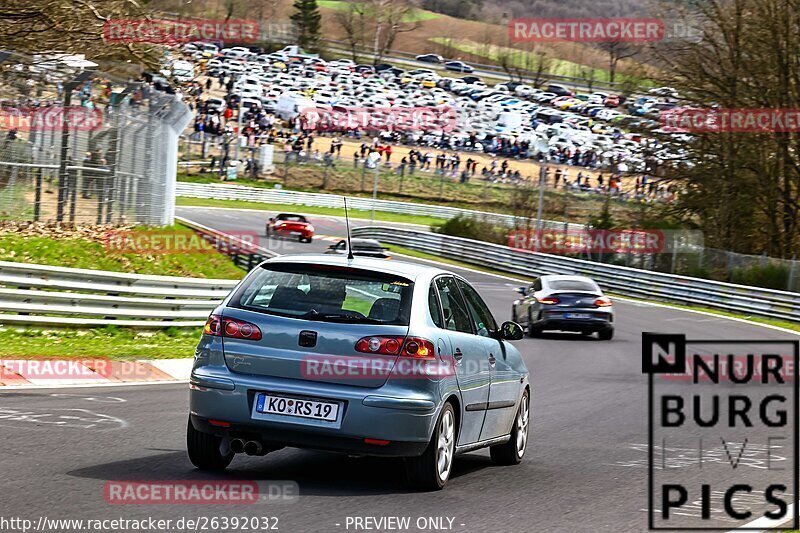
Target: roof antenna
347, 221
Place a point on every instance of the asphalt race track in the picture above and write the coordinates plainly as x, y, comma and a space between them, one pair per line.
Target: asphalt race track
585, 468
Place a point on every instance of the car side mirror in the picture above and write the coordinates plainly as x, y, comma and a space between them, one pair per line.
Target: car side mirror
522, 290
272, 220
511, 331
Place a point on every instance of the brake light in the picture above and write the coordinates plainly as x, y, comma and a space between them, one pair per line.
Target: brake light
411, 347
603, 301
548, 300
232, 328
380, 345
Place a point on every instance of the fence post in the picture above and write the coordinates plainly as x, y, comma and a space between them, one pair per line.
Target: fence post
790, 284
37, 201
674, 253
363, 175
375, 190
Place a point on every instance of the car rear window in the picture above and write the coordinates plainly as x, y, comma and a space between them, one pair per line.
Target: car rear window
572, 285
327, 293
292, 218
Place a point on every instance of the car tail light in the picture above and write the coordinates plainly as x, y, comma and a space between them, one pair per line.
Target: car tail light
232, 328
418, 347
380, 345
411, 347
548, 300
603, 301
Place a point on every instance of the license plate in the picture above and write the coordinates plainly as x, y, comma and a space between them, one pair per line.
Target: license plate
279, 405
295, 233
578, 315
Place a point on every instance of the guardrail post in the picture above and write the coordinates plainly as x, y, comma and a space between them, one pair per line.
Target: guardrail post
37, 201
790, 283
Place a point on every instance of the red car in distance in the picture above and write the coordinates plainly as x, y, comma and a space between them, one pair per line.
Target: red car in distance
291, 226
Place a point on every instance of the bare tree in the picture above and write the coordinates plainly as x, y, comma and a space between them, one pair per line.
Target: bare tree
353, 21
392, 17
617, 51
71, 26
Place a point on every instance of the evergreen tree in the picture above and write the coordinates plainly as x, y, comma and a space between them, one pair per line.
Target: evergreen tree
307, 23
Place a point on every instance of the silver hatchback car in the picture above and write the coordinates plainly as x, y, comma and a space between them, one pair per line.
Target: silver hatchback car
361, 356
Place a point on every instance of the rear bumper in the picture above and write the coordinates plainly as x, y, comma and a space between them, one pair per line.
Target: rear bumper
551, 319
403, 417
288, 233
574, 325
282, 437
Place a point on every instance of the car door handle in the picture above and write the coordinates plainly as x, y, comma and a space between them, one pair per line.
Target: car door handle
492, 359
457, 354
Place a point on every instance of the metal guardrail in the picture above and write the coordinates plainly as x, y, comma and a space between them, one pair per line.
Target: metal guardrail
243, 255
621, 280
279, 196
46, 295
58, 296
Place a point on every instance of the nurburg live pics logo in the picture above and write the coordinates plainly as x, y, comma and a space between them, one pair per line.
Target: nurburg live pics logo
735, 418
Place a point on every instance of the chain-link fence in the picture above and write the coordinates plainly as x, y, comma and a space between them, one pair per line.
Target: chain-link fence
80, 146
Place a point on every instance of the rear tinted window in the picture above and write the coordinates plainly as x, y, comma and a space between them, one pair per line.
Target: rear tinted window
327, 293
292, 218
572, 285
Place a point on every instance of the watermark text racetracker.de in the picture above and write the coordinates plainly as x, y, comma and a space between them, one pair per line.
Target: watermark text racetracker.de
395, 118
177, 242
199, 492
172, 32
50, 118
47, 524
45, 370
586, 30
621, 241
722, 120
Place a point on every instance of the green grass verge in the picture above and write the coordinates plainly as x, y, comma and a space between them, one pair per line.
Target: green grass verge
78, 252
109, 342
310, 210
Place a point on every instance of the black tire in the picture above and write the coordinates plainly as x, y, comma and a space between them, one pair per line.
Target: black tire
204, 452
606, 334
510, 452
423, 471
530, 330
